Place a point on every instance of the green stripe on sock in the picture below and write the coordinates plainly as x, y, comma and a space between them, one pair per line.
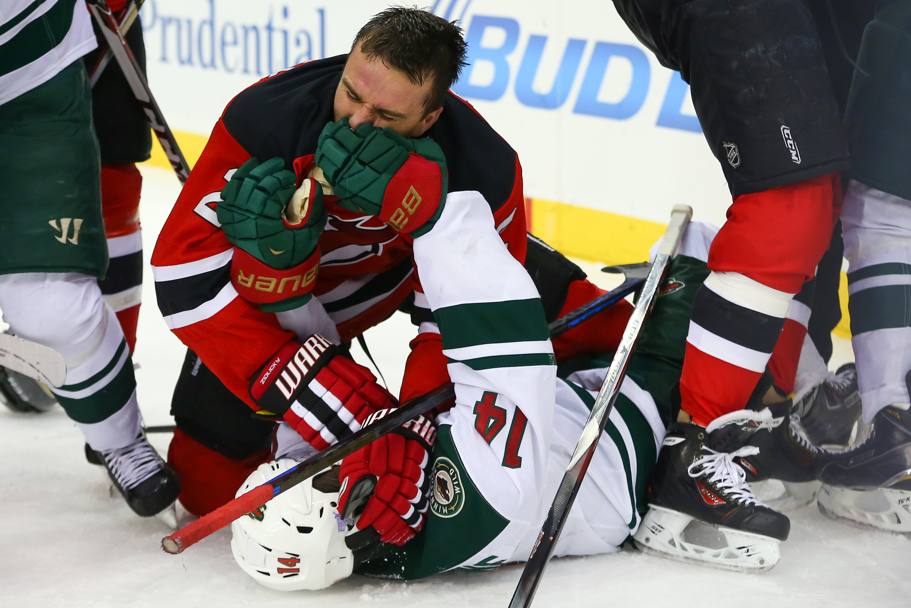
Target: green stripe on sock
96, 377
615, 436
23, 14
103, 403
885, 307
643, 444
491, 322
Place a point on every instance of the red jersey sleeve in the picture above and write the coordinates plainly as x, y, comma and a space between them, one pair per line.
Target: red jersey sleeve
191, 263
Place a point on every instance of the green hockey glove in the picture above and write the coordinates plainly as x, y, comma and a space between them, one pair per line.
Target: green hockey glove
401, 180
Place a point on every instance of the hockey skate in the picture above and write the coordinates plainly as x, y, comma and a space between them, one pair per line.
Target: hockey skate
700, 506
149, 486
871, 483
783, 474
828, 413
23, 394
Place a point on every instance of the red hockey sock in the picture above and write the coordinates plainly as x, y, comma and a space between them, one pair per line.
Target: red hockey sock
208, 479
120, 190
768, 249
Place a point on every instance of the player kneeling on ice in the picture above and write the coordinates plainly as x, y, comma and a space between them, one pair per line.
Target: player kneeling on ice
475, 497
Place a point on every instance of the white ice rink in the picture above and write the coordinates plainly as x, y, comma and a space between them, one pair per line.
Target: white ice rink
64, 541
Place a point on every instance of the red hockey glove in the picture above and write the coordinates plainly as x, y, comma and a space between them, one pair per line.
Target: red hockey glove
323, 395
397, 463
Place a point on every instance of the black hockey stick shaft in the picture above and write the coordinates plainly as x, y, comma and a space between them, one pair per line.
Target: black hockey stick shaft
586, 311
219, 518
131, 13
139, 86
591, 432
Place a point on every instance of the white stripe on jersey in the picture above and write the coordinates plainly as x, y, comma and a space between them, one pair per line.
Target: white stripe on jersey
204, 311
190, 269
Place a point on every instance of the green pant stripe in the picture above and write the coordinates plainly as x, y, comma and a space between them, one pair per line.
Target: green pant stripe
878, 270
615, 436
38, 37
104, 371
491, 323
524, 360
884, 307
104, 402
643, 444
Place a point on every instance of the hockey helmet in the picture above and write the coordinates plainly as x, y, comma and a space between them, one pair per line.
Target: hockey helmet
297, 539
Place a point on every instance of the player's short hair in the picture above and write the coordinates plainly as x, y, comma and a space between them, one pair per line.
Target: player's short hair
418, 43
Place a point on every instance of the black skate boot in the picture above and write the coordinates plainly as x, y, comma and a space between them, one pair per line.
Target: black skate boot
871, 484
145, 481
23, 394
829, 411
783, 474
700, 506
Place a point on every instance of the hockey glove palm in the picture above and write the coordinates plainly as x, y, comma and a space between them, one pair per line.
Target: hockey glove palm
397, 464
276, 229
401, 180
321, 394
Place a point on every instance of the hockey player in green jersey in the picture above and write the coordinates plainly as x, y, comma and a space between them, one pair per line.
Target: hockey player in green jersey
52, 240
492, 466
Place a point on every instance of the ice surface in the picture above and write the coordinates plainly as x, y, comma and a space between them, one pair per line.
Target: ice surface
64, 541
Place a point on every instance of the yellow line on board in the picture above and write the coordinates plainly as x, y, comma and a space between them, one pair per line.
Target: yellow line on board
578, 232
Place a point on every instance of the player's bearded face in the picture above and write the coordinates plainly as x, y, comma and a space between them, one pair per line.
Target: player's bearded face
372, 92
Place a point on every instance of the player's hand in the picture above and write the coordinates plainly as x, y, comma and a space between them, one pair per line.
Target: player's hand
401, 180
397, 464
318, 391
275, 227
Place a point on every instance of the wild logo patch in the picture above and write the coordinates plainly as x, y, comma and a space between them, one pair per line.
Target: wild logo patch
448, 495
670, 286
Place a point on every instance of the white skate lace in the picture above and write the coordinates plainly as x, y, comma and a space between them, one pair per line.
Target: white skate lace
799, 434
840, 383
725, 474
133, 464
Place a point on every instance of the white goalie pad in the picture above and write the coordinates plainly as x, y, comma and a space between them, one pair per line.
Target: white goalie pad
785, 495
882, 508
681, 537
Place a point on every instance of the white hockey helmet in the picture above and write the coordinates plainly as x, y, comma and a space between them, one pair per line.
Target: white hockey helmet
297, 539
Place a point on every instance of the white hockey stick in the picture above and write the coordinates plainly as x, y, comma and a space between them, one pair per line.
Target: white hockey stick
610, 388
32, 359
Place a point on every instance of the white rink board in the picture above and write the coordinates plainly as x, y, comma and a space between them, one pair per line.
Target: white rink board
596, 120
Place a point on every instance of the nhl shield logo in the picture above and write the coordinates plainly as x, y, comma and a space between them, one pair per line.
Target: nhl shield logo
447, 497
732, 153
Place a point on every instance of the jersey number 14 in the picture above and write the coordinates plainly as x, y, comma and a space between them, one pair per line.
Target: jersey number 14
490, 420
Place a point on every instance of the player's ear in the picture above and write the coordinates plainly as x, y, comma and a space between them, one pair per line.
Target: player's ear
429, 119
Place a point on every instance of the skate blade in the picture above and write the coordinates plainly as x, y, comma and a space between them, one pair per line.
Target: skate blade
881, 508
785, 495
169, 517
680, 537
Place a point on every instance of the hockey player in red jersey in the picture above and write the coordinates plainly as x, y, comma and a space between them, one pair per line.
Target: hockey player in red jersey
764, 99
329, 196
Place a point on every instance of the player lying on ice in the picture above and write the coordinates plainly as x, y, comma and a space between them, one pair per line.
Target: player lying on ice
486, 469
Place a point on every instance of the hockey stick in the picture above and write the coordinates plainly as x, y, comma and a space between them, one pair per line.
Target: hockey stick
129, 17
634, 277
222, 516
139, 86
31, 359
591, 432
